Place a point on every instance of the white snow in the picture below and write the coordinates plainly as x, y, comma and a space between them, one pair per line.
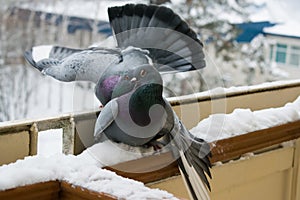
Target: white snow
82, 170
286, 13
220, 91
241, 121
287, 29
50, 142
117, 153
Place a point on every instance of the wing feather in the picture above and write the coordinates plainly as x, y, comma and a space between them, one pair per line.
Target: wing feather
67, 64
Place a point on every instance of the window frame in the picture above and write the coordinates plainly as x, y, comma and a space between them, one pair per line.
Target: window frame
290, 50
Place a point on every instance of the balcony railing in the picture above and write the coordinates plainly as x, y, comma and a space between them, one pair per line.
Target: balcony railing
269, 160
78, 127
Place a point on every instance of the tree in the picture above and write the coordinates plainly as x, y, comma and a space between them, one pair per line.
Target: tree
228, 63
15, 81
24, 92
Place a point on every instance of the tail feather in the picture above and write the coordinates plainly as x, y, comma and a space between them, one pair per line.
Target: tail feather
195, 187
186, 179
195, 152
147, 15
192, 152
161, 31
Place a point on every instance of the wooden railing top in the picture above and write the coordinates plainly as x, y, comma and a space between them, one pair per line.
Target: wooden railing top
219, 93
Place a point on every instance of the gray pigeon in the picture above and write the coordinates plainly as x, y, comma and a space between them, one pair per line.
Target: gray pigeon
138, 115
143, 33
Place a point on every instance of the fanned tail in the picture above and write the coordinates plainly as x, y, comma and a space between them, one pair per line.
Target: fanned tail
193, 160
171, 42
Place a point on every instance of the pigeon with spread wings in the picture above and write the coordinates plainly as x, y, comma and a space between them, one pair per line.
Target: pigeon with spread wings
142, 33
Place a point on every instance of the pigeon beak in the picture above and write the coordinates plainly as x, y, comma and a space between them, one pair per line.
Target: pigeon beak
133, 79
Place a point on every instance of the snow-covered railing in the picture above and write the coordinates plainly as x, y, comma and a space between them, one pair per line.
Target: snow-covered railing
272, 151
258, 143
78, 127
33, 127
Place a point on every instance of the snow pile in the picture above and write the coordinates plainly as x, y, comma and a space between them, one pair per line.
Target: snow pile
109, 153
82, 170
241, 121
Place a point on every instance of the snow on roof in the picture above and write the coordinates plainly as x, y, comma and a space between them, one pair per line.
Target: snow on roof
285, 13
82, 170
241, 121
290, 29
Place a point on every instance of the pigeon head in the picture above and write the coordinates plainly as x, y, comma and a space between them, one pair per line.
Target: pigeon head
133, 79
145, 74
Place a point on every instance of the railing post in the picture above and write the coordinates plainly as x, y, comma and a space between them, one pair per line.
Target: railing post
296, 172
33, 144
69, 137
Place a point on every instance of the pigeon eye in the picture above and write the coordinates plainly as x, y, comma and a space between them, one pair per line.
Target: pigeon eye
126, 77
143, 73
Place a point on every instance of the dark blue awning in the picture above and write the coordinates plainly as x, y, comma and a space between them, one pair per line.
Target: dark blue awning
250, 30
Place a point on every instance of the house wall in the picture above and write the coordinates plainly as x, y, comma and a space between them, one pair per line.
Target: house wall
293, 72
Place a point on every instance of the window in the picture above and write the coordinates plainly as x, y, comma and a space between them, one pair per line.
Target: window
281, 53
295, 56
288, 55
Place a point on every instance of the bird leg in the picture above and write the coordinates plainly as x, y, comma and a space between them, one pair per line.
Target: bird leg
157, 145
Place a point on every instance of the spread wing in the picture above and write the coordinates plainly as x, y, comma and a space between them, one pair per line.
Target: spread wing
66, 64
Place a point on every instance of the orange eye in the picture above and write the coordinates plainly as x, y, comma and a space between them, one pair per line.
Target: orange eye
143, 73
126, 77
